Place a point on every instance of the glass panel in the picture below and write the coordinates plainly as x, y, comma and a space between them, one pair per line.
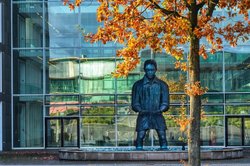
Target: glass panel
167, 72
70, 132
173, 133
62, 110
53, 132
125, 84
126, 130
125, 110
62, 71
28, 71
237, 69
238, 109
124, 99
98, 131
28, 121
98, 51
61, 26
212, 98
234, 131
178, 98
175, 110
61, 99
211, 72
98, 99
90, 25
96, 76
213, 109
212, 131
28, 25
238, 98
247, 131
98, 110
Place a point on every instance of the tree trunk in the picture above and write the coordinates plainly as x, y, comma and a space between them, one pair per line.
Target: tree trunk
195, 107
195, 100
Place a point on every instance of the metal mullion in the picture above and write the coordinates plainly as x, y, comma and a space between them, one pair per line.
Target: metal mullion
224, 100
11, 59
44, 76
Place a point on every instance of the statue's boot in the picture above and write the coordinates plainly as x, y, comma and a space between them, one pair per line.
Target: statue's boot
139, 140
139, 144
163, 140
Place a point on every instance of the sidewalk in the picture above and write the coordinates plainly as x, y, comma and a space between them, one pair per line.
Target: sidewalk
50, 157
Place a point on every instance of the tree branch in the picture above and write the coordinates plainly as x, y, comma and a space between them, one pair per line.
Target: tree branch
211, 6
166, 12
187, 5
200, 5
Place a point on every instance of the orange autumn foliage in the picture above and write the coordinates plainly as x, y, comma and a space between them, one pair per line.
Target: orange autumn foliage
164, 25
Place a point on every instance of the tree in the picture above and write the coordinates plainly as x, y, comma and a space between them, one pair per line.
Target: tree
165, 25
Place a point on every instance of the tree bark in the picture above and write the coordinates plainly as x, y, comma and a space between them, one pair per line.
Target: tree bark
195, 100
195, 107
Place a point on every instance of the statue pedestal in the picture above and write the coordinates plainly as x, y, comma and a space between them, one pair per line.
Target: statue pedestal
110, 154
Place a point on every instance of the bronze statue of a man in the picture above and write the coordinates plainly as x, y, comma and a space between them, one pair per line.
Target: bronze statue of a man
150, 98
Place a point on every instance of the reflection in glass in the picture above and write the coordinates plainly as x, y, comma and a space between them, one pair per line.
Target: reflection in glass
212, 98
70, 132
61, 26
98, 131
28, 121
98, 110
124, 98
176, 109
124, 84
238, 98
173, 132
28, 71
97, 99
211, 72
62, 73
28, 25
212, 131
62, 110
213, 109
234, 132
237, 69
126, 130
247, 131
95, 76
53, 133
125, 110
238, 109
62, 99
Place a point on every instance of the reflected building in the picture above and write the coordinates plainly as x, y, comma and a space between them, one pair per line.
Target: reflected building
62, 93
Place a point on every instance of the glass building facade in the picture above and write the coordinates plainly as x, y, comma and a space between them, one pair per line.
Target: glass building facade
63, 94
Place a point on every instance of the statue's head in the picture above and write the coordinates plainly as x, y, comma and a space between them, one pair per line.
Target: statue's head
150, 68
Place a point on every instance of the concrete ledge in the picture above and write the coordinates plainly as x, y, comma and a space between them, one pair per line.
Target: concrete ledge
95, 155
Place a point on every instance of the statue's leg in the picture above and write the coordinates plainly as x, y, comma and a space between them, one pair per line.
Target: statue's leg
139, 139
162, 139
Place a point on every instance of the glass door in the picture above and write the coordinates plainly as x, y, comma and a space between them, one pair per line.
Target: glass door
53, 132
234, 131
238, 131
70, 132
62, 132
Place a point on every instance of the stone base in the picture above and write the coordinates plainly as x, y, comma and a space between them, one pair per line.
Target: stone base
81, 154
